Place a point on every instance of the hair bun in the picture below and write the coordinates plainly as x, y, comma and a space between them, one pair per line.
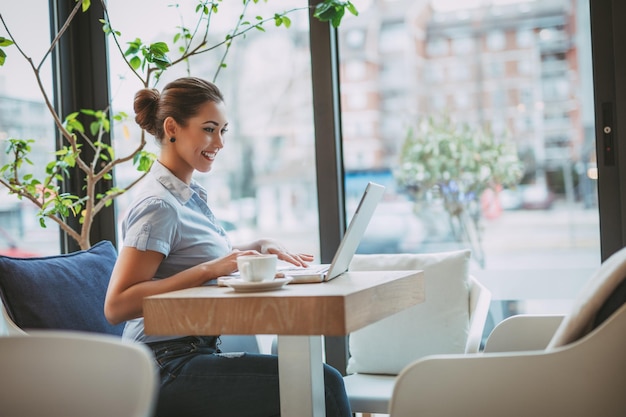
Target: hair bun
146, 105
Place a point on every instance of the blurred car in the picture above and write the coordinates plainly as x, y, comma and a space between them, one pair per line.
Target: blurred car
536, 197
528, 197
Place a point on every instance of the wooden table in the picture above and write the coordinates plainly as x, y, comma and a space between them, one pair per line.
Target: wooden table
300, 314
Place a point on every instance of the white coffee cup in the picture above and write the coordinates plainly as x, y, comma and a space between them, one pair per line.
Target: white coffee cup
257, 268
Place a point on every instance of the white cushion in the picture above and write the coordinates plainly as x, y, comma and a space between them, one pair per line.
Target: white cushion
438, 325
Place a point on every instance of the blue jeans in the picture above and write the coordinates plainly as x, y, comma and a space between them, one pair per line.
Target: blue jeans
198, 380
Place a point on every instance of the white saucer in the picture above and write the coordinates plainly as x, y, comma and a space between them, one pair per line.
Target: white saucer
240, 285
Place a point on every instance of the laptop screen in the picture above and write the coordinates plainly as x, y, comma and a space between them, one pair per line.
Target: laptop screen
356, 229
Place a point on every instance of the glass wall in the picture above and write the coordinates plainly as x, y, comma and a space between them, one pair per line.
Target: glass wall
263, 182
434, 91
23, 115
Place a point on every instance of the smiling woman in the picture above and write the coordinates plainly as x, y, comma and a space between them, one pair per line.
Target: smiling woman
172, 241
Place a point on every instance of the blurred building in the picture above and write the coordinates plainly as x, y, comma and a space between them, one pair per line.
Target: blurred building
513, 68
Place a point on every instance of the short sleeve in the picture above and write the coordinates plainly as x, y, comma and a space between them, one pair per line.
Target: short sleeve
151, 225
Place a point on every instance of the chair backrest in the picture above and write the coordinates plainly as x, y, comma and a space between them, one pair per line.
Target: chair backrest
512, 333
75, 374
479, 303
602, 295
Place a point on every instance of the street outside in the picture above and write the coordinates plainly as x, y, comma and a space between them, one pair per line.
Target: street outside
542, 254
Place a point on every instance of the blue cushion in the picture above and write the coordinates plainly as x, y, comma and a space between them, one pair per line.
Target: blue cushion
59, 292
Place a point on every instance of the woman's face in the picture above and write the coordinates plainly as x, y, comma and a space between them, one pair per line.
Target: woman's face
198, 143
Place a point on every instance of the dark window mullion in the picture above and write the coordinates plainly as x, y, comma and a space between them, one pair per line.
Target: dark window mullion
609, 65
329, 157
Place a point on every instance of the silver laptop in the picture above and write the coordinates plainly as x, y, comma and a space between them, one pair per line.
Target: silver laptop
348, 246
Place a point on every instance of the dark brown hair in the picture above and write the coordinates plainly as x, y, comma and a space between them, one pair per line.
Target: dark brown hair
180, 99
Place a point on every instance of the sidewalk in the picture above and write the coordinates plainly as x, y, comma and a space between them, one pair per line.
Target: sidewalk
540, 255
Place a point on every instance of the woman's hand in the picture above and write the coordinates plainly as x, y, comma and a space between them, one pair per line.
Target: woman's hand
273, 247
226, 265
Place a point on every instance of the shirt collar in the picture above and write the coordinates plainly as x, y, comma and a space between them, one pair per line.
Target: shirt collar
178, 188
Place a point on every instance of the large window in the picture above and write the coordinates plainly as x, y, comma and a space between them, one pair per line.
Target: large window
23, 115
498, 68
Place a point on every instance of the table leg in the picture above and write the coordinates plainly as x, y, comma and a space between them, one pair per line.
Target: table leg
301, 376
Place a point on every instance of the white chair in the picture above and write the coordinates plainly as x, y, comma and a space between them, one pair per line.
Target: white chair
75, 374
371, 393
573, 365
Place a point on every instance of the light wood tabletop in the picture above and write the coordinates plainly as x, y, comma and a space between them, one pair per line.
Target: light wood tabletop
300, 314
334, 308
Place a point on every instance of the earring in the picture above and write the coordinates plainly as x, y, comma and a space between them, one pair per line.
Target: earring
172, 139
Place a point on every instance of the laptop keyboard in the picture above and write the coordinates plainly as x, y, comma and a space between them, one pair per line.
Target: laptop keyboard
311, 269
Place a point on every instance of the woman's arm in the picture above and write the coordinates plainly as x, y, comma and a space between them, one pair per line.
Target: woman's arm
132, 280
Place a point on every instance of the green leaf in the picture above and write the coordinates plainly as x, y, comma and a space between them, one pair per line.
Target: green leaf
5, 41
94, 128
336, 19
143, 160
74, 125
333, 11
120, 116
159, 48
352, 9
3, 56
135, 62
134, 47
324, 11
106, 27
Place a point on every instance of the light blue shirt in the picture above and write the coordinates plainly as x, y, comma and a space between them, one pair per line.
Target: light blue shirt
172, 218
